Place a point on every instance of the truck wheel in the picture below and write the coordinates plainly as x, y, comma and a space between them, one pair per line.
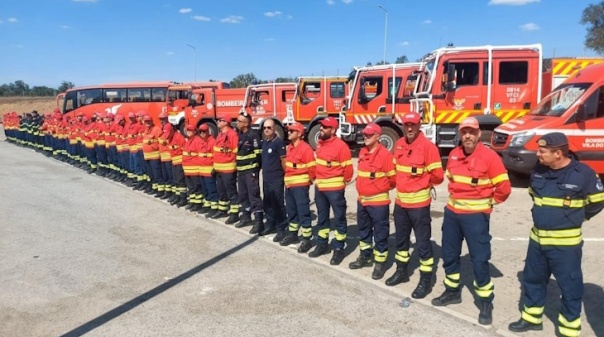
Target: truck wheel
389, 138
181, 128
313, 136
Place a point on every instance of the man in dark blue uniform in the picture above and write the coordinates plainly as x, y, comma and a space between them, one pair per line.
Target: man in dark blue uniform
565, 193
273, 185
248, 170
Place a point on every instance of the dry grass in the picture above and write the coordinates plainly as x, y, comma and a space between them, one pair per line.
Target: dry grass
27, 104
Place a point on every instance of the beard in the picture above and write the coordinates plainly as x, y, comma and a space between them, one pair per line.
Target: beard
324, 136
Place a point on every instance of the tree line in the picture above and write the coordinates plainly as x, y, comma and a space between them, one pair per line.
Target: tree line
20, 88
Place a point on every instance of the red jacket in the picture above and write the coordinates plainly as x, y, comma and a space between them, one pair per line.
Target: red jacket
418, 168
477, 181
376, 176
225, 151
190, 156
334, 164
300, 165
206, 157
176, 145
151, 143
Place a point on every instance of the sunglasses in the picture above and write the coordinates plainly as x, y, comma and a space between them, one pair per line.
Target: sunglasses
268, 128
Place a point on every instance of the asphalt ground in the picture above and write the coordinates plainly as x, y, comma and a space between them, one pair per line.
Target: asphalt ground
83, 255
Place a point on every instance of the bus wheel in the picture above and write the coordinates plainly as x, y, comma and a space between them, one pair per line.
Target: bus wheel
389, 138
313, 136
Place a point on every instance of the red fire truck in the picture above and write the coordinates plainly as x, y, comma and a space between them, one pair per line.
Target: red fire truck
198, 103
575, 108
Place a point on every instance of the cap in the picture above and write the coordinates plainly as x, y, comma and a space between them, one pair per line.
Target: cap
552, 140
85, 118
119, 118
296, 127
110, 116
469, 122
190, 127
163, 115
101, 115
141, 113
225, 117
147, 118
329, 122
131, 114
204, 127
411, 117
167, 127
372, 129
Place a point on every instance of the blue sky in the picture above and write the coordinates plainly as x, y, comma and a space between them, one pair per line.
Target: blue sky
90, 42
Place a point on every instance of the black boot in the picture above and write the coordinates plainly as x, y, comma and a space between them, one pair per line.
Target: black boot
523, 326
424, 287
219, 214
378, 271
486, 313
280, 235
173, 199
245, 220
321, 248
337, 257
182, 201
361, 261
268, 229
289, 238
305, 245
233, 218
258, 226
450, 296
399, 276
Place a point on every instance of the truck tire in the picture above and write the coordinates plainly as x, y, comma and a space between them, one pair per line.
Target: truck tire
181, 128
313, 136
389, 138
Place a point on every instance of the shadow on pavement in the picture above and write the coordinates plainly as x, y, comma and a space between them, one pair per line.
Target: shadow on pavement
135, 302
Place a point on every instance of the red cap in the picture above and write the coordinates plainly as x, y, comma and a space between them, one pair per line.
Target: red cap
225, 117
147, 118
119, 118
163, 115
190, 127
469, 122
411, 117
204, 127
372, 129
101, 115
296, 127
329, 122
141, 113
131, 114
110, 116
167, 128
85, 118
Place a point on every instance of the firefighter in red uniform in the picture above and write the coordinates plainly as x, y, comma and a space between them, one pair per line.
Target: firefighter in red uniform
334, 171
300, 173
418, 169
166, 162
176, 144
225, 155
151, 156
376, 176
206, 170
477, 181
191, 166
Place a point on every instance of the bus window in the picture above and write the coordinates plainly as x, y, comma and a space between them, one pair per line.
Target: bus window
158, 94
89, 96
139, 95
114, 95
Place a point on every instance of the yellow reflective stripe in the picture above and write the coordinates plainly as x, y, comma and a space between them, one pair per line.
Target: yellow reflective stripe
219, 149
364, 245
297, 179
484, 291
471, 204
563, 237
336, 181
293, 227
258, 151
380, 257
535, 311
374, 198
468, 180
426, 265
452, 280
340, 236
249, 156
531, 319
205, 169
500, 178
299, 166
331, 163
409, 169
576, 324
206, 155
247, 167
598, 197
323, 233
224, 166
434, 166
559, 202
569, 332
367, 174
402, 256
413, 197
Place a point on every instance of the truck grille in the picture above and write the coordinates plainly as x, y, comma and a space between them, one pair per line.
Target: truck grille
499, 138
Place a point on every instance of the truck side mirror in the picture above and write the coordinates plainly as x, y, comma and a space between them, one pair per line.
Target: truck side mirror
581, 114
362, 96
451, 85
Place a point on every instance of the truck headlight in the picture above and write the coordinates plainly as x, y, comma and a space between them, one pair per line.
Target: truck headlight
521, 138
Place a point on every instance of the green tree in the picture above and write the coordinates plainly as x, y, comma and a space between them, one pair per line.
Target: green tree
243, 80
402, 59
285, 79
65, 85
21, 87
593, 17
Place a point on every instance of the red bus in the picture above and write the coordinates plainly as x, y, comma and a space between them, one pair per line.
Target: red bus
117, 98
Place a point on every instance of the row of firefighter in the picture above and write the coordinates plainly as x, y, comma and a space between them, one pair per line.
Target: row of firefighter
220, 177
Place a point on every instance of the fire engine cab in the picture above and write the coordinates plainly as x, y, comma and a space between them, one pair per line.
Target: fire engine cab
576, 108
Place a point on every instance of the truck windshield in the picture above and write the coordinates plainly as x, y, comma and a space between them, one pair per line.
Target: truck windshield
559, 100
